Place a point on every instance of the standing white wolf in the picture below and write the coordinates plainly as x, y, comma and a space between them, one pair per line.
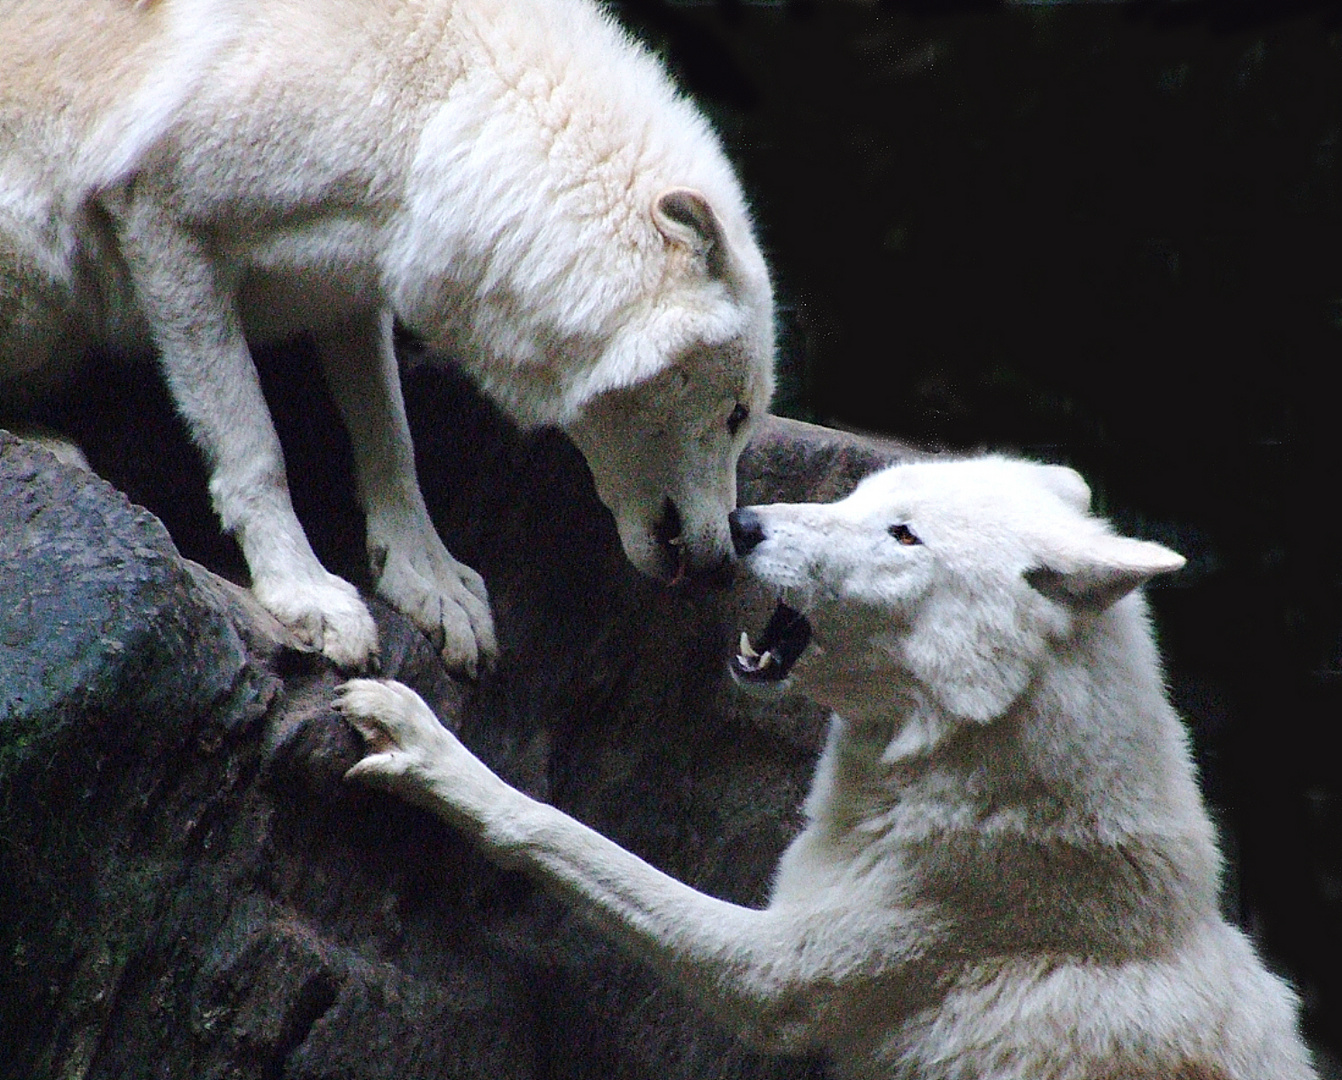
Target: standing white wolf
514, 180
1007, 872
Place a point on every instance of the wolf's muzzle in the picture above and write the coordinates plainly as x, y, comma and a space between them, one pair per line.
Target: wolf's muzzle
747, 530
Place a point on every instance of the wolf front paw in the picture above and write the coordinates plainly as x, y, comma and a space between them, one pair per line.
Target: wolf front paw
403, 738
444, 598
325, 614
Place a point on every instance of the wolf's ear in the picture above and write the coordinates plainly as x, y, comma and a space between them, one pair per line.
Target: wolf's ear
1067, 485
1101, 573
684, 217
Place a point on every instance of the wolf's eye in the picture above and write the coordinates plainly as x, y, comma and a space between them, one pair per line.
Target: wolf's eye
737, 417
904, 535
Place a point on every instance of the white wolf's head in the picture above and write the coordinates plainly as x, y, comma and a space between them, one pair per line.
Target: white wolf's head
642, 326
957, 576
678, 391
575, 235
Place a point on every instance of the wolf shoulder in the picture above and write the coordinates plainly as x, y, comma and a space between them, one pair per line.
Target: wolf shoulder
339, 140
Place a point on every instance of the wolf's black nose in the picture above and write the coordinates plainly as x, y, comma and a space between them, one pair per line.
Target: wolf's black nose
747, 529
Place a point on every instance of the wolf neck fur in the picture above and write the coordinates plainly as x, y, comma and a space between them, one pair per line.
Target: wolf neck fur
875, 759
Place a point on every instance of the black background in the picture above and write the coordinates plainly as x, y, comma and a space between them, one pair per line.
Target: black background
1108, 235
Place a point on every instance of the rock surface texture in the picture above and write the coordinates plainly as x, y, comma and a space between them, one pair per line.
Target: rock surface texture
188, 889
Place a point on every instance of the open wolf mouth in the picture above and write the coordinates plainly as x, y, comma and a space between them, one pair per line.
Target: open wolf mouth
668, 532
771, 659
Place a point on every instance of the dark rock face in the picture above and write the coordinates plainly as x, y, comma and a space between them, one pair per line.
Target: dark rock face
189, 889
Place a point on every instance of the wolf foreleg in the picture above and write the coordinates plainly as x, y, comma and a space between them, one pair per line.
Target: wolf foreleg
445, 598
767, 973
187, 298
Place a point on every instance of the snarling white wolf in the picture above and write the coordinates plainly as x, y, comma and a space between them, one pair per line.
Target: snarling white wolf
514, 180
1006, 873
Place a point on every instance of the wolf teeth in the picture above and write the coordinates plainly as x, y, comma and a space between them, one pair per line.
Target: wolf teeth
746, 649
756, 664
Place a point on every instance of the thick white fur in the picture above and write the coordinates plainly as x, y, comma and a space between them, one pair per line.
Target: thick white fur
1007, 872
494, 173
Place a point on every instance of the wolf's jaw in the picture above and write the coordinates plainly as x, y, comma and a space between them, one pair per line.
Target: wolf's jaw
780, 645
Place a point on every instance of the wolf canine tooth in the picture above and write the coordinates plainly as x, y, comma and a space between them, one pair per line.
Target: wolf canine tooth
746, 649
